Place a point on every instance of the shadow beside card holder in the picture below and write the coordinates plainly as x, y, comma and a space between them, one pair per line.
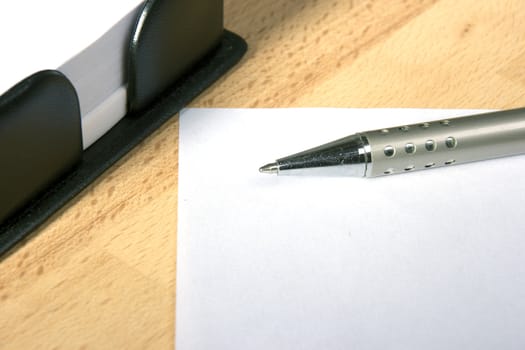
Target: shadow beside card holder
177, 49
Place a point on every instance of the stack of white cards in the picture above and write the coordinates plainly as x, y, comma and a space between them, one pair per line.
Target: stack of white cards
85, 40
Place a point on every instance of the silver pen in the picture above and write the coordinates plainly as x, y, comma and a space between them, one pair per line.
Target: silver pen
414, 147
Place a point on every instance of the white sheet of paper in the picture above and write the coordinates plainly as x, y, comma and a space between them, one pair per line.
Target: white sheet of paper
38, 35
427, 260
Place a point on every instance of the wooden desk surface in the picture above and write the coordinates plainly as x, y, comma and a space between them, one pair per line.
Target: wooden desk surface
101, 273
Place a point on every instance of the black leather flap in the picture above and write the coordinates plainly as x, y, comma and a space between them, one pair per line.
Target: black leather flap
40, 137
170, 37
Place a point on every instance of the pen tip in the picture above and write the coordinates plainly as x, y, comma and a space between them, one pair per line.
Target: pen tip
271, 168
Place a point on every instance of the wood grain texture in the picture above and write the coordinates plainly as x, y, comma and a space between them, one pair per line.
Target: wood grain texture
101, 273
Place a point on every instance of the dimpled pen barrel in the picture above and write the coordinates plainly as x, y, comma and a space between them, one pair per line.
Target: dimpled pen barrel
408, 148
